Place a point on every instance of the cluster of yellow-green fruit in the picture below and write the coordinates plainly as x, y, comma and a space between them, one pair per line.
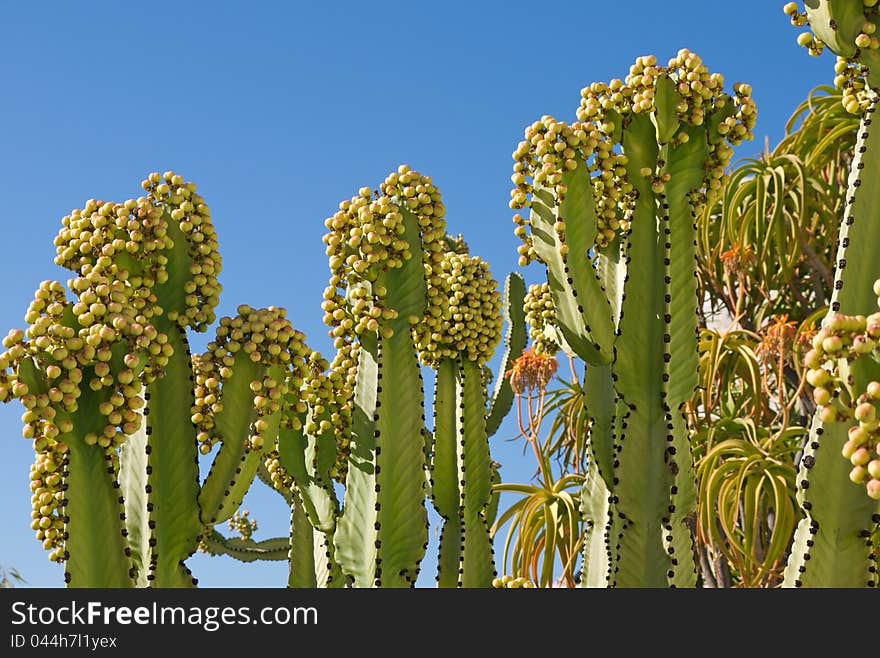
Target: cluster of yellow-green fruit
850, 71
106, 339
326, 401
243, 524
343, 378
266, 337
841, 341
540, 314
551, 148
366, 239
131, 241
850, 79
278, 475
329, 394
464, 314
702, 94
511, 582
109, 347
62, 359
192, 216
808, 40
47, 496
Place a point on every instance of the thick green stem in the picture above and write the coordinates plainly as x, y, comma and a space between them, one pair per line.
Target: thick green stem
830, 545
301, 548
171, 474
515, 339
96, 547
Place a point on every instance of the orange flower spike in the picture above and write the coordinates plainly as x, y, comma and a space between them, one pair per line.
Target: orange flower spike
532, 370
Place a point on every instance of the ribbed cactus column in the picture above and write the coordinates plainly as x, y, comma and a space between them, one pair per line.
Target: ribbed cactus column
381, 246
159, 464
460, 333
146, 270
833, 542
613, 199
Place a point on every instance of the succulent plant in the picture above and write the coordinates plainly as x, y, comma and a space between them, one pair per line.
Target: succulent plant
612, 201
117, 407
836, 540
458, 337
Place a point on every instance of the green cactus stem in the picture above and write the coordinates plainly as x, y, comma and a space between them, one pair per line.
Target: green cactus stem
384, 251
245, 375
612, 203
515, 339
832, 544
456, 341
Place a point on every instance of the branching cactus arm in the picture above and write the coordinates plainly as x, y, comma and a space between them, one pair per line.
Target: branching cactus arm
124, 332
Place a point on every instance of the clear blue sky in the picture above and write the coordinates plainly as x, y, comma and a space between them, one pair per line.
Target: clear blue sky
279, 110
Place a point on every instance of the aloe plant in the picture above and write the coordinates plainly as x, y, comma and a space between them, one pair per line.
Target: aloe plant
612, 201
836, 542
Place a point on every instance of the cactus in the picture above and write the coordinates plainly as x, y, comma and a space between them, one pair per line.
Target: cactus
461, 331
836, 543
116, 490
399, 288
612, 199
385, 249
117, 407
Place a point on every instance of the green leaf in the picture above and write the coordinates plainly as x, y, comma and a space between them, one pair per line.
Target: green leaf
356, 534
665, 116
639, 347
643, 499
601, 527
449, 557
295, 451
686, 166
611, 269
171, 294
836, 510
247, 550
327, 571
235, 465
384, 516
828, 544
837, 23
133, 463
601, 404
